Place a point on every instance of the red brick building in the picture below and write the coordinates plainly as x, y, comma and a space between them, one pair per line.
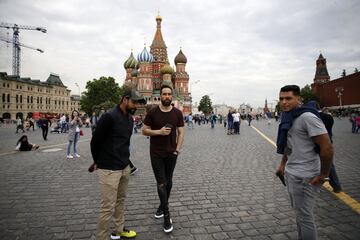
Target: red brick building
343, 92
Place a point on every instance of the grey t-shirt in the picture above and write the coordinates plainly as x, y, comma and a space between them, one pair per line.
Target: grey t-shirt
303, 161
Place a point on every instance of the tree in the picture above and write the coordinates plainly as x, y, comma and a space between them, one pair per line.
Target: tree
103, 92
205, 105
343, 73
307, 94
356, 70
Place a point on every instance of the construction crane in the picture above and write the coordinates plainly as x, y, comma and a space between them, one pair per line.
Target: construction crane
17, 45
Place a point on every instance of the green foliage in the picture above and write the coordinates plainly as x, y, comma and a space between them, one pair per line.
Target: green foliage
307, 94
356, 70
205, 105
103, 92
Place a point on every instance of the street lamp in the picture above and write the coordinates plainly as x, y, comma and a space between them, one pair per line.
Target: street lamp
76, 84
339, 91
191, 93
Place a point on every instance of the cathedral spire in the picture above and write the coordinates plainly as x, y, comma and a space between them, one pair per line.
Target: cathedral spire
158, 46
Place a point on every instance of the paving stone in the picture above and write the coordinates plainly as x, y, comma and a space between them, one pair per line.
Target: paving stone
224, 188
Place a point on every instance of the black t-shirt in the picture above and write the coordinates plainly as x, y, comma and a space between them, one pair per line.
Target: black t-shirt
162, 146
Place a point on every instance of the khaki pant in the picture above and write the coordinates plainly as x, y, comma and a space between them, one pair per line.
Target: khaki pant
113, 188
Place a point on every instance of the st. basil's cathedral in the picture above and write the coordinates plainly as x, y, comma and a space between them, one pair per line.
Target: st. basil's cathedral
151, 70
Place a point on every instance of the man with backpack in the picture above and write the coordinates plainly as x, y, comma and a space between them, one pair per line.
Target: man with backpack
307, 157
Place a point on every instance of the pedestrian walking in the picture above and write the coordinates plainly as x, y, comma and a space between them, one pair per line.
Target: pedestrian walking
357, 120
305, 168
353, 122
31, 124
93, 121
230, 120
63, 123
236, 122
44, 125
249, 118
212, 119
165, 126
110, 149
74, 134
190, 121
19, 125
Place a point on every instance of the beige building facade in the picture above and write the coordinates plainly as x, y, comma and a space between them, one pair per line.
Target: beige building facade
26, 97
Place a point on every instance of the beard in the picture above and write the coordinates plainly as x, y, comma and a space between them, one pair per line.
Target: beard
166, 102
131, 110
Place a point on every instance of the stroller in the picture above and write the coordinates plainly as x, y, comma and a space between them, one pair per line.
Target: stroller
57, 128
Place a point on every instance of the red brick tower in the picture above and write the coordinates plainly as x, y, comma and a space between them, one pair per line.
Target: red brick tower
159, 52
321, 74
266, 109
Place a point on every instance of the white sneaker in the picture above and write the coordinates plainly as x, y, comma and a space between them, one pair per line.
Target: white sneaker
69, 156
77, 155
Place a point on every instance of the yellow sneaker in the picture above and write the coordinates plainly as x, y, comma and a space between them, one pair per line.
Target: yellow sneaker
125, 234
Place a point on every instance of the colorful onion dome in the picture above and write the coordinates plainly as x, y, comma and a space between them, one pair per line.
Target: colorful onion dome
134, 73
130, 62
145, 56
167, 69
180, 58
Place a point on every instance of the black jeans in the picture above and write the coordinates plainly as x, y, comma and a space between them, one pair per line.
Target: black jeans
163, 170
44, 132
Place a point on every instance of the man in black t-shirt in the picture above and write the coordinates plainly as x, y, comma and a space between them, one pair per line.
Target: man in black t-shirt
165, 125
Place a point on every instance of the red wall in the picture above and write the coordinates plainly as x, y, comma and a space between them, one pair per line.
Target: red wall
350, 95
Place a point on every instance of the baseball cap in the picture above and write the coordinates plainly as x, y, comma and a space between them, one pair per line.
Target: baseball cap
135, 96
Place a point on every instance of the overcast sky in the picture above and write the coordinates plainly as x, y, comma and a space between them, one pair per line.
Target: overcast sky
241, 51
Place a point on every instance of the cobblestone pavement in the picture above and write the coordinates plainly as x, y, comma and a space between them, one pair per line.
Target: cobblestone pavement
224, 188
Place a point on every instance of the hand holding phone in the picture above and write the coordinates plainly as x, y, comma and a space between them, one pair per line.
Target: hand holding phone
281, 177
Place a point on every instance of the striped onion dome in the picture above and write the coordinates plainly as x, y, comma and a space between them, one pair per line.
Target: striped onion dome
180, 58
145, 56
130, 62
134, 73
167, 69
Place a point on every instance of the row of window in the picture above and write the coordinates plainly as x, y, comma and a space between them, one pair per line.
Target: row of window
38, 90
32, 107
19, 99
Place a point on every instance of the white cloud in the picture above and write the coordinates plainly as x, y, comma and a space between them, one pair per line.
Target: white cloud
241, 51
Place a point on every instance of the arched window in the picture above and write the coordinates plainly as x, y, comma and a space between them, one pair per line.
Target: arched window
20, 98
31, 99
8, 98
3, 97
17, 98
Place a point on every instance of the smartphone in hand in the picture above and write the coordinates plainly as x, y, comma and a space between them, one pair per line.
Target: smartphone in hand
281, 177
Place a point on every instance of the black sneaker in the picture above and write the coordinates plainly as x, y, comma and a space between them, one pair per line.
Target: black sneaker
159, 213
168, 227
133, 170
